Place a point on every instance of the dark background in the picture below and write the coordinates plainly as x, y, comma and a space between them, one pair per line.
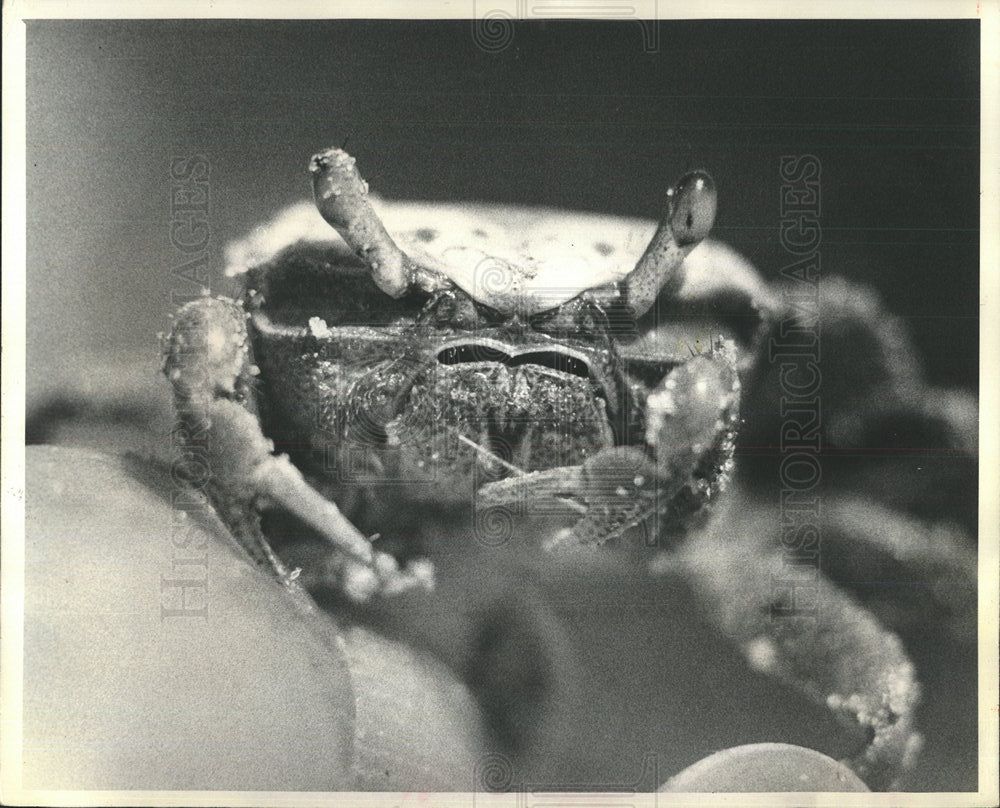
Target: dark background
572, 114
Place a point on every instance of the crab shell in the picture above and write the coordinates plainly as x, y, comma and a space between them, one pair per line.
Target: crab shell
541, 257
509, 258
522, 264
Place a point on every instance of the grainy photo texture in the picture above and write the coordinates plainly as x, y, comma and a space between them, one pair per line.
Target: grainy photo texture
502, 406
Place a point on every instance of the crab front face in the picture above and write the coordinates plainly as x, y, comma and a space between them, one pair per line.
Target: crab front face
464, 381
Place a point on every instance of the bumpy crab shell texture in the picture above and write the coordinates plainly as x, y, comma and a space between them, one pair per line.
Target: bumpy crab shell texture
851, 659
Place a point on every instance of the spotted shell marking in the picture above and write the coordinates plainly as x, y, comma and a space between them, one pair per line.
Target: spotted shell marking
513, 262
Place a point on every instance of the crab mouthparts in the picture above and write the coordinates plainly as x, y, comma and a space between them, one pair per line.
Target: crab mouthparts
512, 408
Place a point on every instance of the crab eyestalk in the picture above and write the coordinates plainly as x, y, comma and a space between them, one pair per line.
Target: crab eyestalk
342, 198
691, 206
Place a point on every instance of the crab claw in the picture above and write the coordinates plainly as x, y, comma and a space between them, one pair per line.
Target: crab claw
691, 206
342, 198
207, 360
692, 416
691, 422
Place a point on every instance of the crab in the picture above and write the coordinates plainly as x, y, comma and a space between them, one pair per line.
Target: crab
490, 382
506, 368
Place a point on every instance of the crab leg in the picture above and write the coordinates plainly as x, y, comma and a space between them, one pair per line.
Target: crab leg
208, 362
690, 214
872, 537
793, 625
342, 198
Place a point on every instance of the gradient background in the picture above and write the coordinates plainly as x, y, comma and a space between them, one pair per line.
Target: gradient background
570, 114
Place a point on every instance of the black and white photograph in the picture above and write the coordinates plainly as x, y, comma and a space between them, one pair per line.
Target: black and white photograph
535, 404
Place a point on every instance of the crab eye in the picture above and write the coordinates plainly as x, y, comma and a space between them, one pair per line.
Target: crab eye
692, 207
